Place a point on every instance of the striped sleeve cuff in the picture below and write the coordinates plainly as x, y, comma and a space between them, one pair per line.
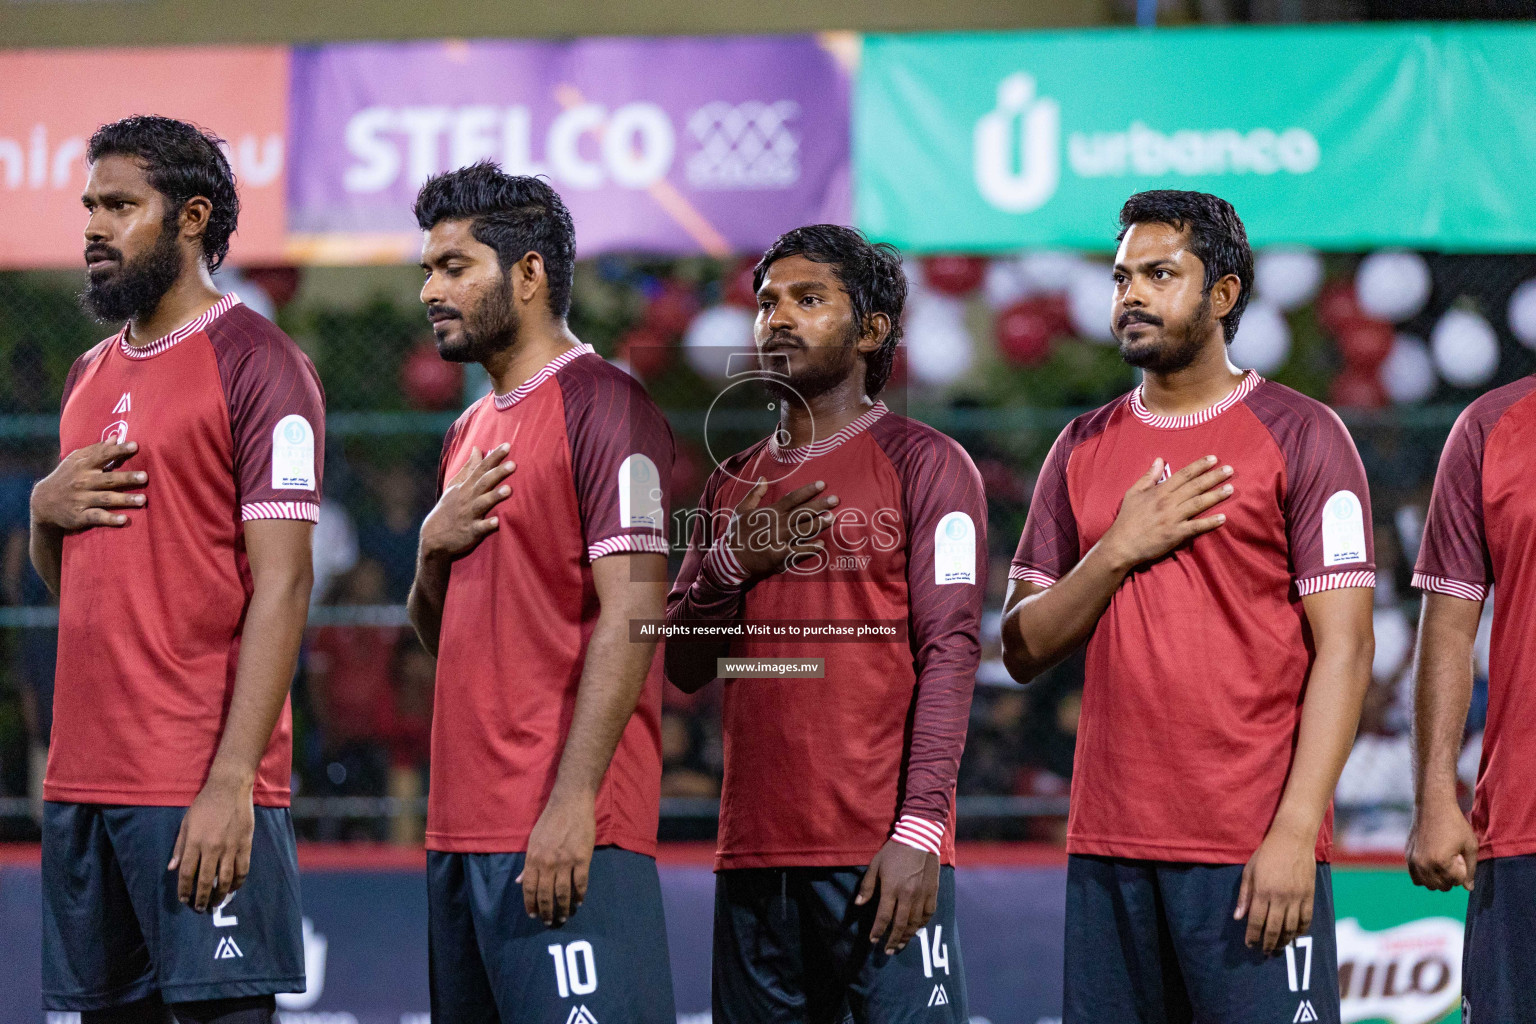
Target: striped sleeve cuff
306, 510
722, 567
1450, 587
649, 542
1337, 581
1028, 575
919, 833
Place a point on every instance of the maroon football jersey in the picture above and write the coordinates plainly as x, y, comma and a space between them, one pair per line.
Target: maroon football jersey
1478, 533
230, 422
823, 771
594, 462
1197, 670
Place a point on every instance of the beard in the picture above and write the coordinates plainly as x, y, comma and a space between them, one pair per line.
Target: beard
1177, 351
134, 289
486, 329
818, 376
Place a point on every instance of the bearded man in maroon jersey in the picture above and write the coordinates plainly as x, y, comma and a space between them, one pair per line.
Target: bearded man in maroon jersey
1207, 535
836, 842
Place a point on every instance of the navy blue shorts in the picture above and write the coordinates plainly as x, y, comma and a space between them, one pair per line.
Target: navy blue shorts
115, 933
792, 948
1154, 942
490, 963
1498, 958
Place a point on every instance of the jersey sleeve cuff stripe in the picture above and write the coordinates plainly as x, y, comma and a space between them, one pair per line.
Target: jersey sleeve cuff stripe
723, 567
1028, 575
306, 510
647, 542
1453, 588
1337, 581
919, 833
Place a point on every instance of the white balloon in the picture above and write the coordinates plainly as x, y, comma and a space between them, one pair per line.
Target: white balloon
1006, 283
713, 336
939, 348
1408, 372
1393, 284
1522, 313
1089, 298
1394, 639
1263, 339
1052, 270
1465, 348
252, 295
1287, 276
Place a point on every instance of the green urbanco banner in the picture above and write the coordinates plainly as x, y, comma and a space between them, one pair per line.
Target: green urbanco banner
1339, 137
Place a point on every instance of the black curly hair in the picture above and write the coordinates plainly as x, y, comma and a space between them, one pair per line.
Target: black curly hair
512, 213
1216, 236
869, 272
182, 161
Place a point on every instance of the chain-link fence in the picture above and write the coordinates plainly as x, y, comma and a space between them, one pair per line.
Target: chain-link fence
362, 699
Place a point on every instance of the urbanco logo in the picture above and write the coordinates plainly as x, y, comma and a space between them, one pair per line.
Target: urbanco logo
1017, 149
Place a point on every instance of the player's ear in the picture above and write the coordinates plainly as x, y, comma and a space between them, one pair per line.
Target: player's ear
1224, 294
528, 275
194, 216
877, 327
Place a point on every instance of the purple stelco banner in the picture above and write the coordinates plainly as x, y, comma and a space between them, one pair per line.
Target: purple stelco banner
659, 145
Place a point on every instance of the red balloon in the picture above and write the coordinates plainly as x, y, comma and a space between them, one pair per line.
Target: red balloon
1365, 343
672, 310
1337, 306
1359, 388
429, 381
738, 284
648, 352
280, 283
1025, 329
954, 275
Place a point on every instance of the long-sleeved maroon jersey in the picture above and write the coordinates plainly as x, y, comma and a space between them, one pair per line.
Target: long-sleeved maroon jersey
823, 771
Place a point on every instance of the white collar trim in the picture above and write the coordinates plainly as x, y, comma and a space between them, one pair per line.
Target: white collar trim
154, 348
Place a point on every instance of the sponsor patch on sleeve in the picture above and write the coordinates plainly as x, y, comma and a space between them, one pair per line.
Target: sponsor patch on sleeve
1343, 529
639, 493
293, 454
954, 549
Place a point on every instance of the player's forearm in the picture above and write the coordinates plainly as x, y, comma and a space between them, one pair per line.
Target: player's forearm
424, 606
946, 684
45, 546
1044, 627
612, 680
1442, 694
1330, 714
269, 652
705, 598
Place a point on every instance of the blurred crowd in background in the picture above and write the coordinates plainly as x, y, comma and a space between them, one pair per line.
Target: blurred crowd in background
1000, 352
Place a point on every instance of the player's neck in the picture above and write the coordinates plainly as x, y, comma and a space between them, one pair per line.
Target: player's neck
190, 297
825, 414
531, 350
1193, 389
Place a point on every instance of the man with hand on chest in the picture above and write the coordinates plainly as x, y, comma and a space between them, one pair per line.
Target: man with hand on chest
836, 842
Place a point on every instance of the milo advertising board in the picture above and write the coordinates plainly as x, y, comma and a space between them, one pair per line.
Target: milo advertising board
1399, 948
